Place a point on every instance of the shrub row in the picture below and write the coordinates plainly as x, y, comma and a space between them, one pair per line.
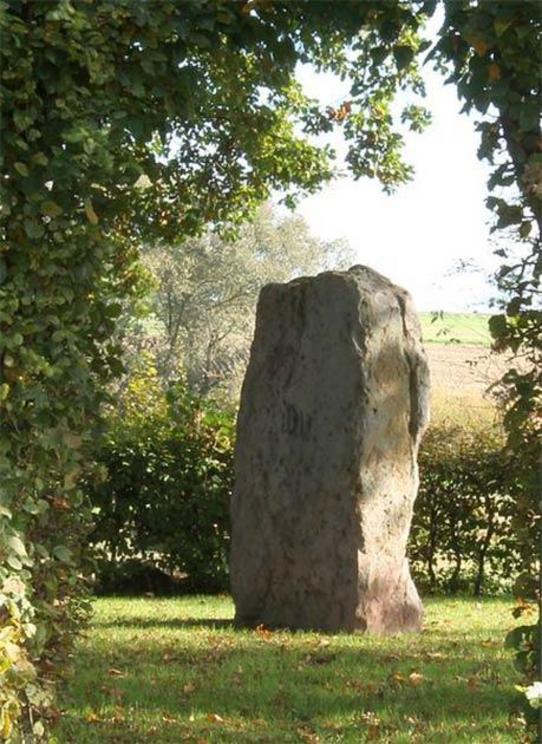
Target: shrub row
462, 537
162, 507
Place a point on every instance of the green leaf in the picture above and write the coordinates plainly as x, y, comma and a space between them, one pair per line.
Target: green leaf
22, 120
379, 54
16, 544
498, 326
40, 158
403, 56
200, 40
62, 553
525, 229
21, 168
14, 562
31, 506
33, 228
501, 25
51, 209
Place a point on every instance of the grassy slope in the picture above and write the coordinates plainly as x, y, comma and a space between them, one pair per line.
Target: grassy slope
174, 670
467, 329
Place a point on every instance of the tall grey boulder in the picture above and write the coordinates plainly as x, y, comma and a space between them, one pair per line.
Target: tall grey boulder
333, 406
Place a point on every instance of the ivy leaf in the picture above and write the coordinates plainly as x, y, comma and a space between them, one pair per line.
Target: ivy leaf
62, 553
501, 25
40, 158
16, 544
33, 229
14, 562
21, 168
31, 506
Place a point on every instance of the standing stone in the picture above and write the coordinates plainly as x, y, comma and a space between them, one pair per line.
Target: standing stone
333, 406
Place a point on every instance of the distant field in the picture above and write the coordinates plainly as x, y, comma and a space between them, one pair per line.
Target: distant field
467, 329
462, 365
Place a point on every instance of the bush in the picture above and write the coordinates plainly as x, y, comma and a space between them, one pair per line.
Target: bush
162, 507
461, 537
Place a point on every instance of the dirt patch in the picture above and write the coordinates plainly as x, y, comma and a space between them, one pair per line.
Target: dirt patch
458, 370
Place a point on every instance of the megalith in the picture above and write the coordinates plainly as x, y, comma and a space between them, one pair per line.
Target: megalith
333, 406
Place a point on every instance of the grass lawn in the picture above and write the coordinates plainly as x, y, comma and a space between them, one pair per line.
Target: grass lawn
468, 329
174, 670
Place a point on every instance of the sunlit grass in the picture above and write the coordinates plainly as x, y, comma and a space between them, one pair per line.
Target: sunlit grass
469, 329
173, 670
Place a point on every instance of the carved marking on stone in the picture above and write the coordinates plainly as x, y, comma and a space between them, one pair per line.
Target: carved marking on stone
294, 422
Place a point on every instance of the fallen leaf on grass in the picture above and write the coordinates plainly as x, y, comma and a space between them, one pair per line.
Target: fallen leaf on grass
264, 632
372, 721
396, 678
472, 683
416, 679
117, 718
171, 657
368, 688
188, 688
332, 726
306, 734
92, 718
215, 718
434, 655
116, 672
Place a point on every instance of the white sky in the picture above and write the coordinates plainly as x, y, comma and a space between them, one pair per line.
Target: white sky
418, 235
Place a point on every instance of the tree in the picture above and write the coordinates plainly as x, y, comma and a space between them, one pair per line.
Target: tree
493, 53
204, 303
199, 98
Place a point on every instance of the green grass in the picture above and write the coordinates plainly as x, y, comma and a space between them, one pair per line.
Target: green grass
174, 670
469, 329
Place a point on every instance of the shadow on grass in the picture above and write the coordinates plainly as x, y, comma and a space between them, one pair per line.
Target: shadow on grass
186, 624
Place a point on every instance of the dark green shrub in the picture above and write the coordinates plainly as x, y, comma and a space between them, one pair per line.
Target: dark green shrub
162, 509
461, 537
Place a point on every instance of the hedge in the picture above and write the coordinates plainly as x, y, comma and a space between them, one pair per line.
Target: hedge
162, 508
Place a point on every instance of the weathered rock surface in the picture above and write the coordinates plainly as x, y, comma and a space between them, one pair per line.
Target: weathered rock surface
333, 406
